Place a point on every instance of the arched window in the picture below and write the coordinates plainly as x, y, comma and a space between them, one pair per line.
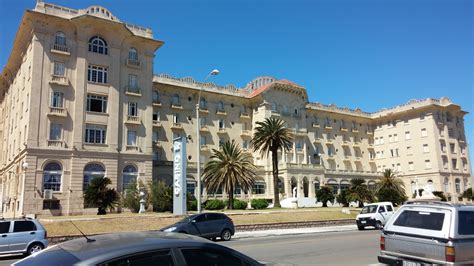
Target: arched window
60, 39
457, 184
91, 171
220, 106
203, 103
176, 99
156, 97
129, 177
98, 45
274, 107
345, 185
285, 109
333, 184
133, 54
52, 173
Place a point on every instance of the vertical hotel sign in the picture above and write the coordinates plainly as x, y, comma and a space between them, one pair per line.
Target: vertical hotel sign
179, 176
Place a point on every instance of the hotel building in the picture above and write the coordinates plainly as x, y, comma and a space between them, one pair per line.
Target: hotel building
78, 99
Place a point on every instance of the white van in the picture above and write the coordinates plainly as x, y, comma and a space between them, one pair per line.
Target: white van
374, 214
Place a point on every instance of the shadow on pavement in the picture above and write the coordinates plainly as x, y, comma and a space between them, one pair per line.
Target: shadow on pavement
12, 257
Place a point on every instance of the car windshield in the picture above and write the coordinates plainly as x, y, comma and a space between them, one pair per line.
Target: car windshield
369, 209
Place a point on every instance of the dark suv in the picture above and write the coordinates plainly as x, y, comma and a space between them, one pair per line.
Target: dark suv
207, 225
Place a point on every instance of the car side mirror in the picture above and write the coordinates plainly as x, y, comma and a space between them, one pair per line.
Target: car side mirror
193, 221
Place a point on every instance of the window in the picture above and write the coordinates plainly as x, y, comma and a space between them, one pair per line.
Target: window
426, 148
452, 147
156, 116
52, 173
133, 109
409, 151
466, 223
95, 134
245, 144
395, 137
176, 99
155, 136
220, 106
381, 140
423, 132
411, 166
422, 220
96, 103
57, 99
4, 227
92, 170
176, 119
60, 39
203, 104
133, 54
221, 123
203, 140
390, 138
457, 185
156, 97
198, 257
23, 226
259, 187
407, 135
202, 121
131, 138
97, 74
98, 45
129, 177
55, 131
157, 258
132, 82
59, 69
427, 164
221, 142
274, 107
454, 164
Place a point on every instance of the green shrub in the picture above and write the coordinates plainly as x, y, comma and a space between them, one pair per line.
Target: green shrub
343, 197
324, 194
161, 196
259, 204
131, 198
240, 204
215, 204
191, 202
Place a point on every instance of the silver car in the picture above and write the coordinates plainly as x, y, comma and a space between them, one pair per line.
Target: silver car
26, 236
429, 232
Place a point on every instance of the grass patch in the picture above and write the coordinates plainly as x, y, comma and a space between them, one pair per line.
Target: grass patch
125, 222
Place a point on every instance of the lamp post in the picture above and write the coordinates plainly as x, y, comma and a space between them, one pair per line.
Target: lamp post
214, 72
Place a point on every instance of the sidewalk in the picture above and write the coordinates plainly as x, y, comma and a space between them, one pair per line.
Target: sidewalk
295, 231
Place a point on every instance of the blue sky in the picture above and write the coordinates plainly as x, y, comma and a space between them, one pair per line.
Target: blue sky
369, 54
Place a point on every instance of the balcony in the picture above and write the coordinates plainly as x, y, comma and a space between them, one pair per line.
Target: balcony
316, 125
344, 129
369, 132
133, 91
156, 103
157, 123
222, 131
133, 148
56, 143
299, 150
205, 148
177, 126
204, 129
221, 112
356, 145
57, 111
347, 158
317, 141
329, 141
355, 130
300, 132
300, 166
59, 80
133, 120
133, 63
60, 49
345, 143
176, 106
246, 133
244, 115
327, 126
203, 109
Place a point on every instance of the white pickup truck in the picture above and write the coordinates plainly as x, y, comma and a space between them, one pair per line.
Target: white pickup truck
374, 214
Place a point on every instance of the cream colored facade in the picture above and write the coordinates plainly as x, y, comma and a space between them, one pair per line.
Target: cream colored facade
79, 99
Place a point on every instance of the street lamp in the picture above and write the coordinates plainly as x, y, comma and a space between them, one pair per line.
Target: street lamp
214, 72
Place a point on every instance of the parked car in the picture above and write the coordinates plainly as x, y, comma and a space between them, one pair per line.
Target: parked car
26, 236
374, 214
429, 232
208, 225
139, 248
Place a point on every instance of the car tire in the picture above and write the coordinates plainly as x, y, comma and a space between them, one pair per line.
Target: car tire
360, 228
34, 248
182, 232
226, 235
378, 225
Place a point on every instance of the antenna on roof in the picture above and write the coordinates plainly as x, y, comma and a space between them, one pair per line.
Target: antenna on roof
89, 240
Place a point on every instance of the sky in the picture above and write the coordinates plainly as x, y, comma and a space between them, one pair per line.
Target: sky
368, 54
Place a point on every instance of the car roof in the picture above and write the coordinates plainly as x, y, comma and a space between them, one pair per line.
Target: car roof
438, 204
128, 242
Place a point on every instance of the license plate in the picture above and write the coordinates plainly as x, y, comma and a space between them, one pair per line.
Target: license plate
411, 263
363, 222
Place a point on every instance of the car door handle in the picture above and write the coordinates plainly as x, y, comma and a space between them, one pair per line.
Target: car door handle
4, 235
32, 233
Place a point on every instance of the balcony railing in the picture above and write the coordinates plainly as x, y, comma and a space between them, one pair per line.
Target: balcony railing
205, 147
203, 109
327, 126
156, 103
222, 131
57, 111
204, 129
244, 115
177, 126
60, 80
55, 143
176, 106
246, 133
157, 123
133, 63
133, 119
133, 91
62, 49
343, 128
354, 130
132, 148
316, 125
221, 112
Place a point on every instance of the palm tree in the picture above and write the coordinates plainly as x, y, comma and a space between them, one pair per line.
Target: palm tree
99, 195
360, 192
271, 135
390, 188
228, 169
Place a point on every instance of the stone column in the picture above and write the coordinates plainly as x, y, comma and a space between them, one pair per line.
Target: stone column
311, 192
287, 185
294, 153
299, 185
305, 152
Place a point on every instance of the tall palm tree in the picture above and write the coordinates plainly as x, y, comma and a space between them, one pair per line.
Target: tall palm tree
270, 136
360, 192
390, 188
228, 169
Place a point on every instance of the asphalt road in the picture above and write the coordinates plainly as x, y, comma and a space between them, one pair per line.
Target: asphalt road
339, 248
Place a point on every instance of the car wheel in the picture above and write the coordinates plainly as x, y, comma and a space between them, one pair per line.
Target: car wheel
34, 248
226, 235
360, 228
378, 225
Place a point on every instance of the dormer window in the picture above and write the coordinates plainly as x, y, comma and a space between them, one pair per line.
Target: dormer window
133, 54
98, 45
60, 39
